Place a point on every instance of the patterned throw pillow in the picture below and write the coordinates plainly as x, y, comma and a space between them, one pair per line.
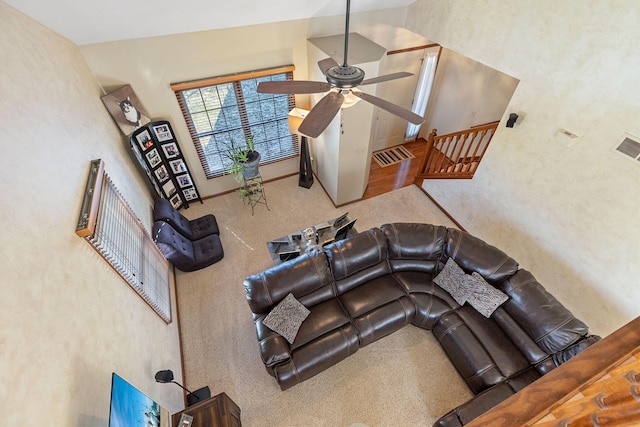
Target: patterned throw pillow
451, 279
484, 297
287, 317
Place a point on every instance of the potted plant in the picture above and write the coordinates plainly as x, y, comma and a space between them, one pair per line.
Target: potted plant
244, 160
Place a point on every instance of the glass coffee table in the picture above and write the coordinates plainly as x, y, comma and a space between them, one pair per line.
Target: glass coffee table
291, 246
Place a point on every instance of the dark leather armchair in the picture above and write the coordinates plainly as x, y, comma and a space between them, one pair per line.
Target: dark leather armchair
194, 229
184, 254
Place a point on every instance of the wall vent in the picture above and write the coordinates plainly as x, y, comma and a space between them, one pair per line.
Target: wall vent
629, 145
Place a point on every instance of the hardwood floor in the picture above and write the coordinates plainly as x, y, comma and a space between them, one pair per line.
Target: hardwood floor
383, 180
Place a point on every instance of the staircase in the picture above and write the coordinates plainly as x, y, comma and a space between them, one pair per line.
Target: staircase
455, 155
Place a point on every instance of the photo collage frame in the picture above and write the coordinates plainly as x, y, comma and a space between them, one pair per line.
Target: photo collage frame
158, 151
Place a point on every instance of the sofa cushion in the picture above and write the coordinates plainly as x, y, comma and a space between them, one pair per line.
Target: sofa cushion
473, 254
413, 246
375, 293
519, 337
316, 356
551, 325
323, 318
184, 254
479, 349
358, 259
384, 320
452, 279
194, 229
287, 317
431, 301
481, 295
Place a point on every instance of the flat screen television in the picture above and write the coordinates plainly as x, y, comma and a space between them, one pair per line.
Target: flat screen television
132, 408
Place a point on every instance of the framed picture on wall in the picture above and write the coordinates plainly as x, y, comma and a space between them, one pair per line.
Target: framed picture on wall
153, 157
184, 180
170, 150
190, 193
185, 421
144, 140
163, 133
178, 166
126, 109
169, 189
162, 174
176, 201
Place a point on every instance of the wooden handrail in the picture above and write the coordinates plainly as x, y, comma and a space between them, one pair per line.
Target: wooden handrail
457, 154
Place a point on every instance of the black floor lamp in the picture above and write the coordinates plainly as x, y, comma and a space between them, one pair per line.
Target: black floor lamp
305, 178
306, 173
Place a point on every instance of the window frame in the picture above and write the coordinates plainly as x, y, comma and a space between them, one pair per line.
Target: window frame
236, 80
112, 228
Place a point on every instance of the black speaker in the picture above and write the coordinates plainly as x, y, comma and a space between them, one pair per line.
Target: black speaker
512, 120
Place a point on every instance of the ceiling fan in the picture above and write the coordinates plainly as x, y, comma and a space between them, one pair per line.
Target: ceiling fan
341, 81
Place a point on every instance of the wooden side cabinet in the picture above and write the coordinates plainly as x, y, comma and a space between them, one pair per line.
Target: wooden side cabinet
218, 411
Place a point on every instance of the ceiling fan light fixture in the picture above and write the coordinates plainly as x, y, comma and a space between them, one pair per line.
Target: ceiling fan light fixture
349, 98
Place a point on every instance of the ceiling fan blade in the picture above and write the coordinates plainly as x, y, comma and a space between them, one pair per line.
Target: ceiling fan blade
403, 113
292, 87
327, 63
386, 78
321, 115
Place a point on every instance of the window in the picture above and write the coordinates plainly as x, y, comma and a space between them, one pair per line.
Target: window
221, 109
109, 225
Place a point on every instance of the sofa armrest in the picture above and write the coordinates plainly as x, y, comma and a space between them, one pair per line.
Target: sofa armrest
274, 348
477, 406
562, 356
486, 400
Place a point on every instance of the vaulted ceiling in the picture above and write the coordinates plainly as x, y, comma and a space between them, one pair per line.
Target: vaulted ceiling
95, 21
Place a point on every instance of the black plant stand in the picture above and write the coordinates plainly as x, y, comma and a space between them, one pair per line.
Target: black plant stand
253, 192
306, 173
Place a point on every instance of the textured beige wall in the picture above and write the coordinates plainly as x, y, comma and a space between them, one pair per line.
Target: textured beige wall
466, 93
569, 214
67, 320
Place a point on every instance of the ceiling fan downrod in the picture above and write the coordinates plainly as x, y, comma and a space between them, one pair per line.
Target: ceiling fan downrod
345, 76
346, 34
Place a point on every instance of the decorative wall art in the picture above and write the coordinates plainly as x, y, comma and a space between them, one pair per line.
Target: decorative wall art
159, 155
162, 173
126, 109
144, 140
163, 133
170, 150
184, 180
153, 158
177, 166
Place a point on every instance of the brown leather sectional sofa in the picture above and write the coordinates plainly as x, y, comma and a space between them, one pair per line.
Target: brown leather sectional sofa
363, 288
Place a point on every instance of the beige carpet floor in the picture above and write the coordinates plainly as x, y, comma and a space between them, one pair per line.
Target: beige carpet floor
404, 379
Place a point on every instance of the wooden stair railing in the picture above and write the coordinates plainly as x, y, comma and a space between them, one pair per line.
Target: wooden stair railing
455, 155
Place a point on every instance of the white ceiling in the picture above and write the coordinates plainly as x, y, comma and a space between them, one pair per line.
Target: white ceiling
95, 21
